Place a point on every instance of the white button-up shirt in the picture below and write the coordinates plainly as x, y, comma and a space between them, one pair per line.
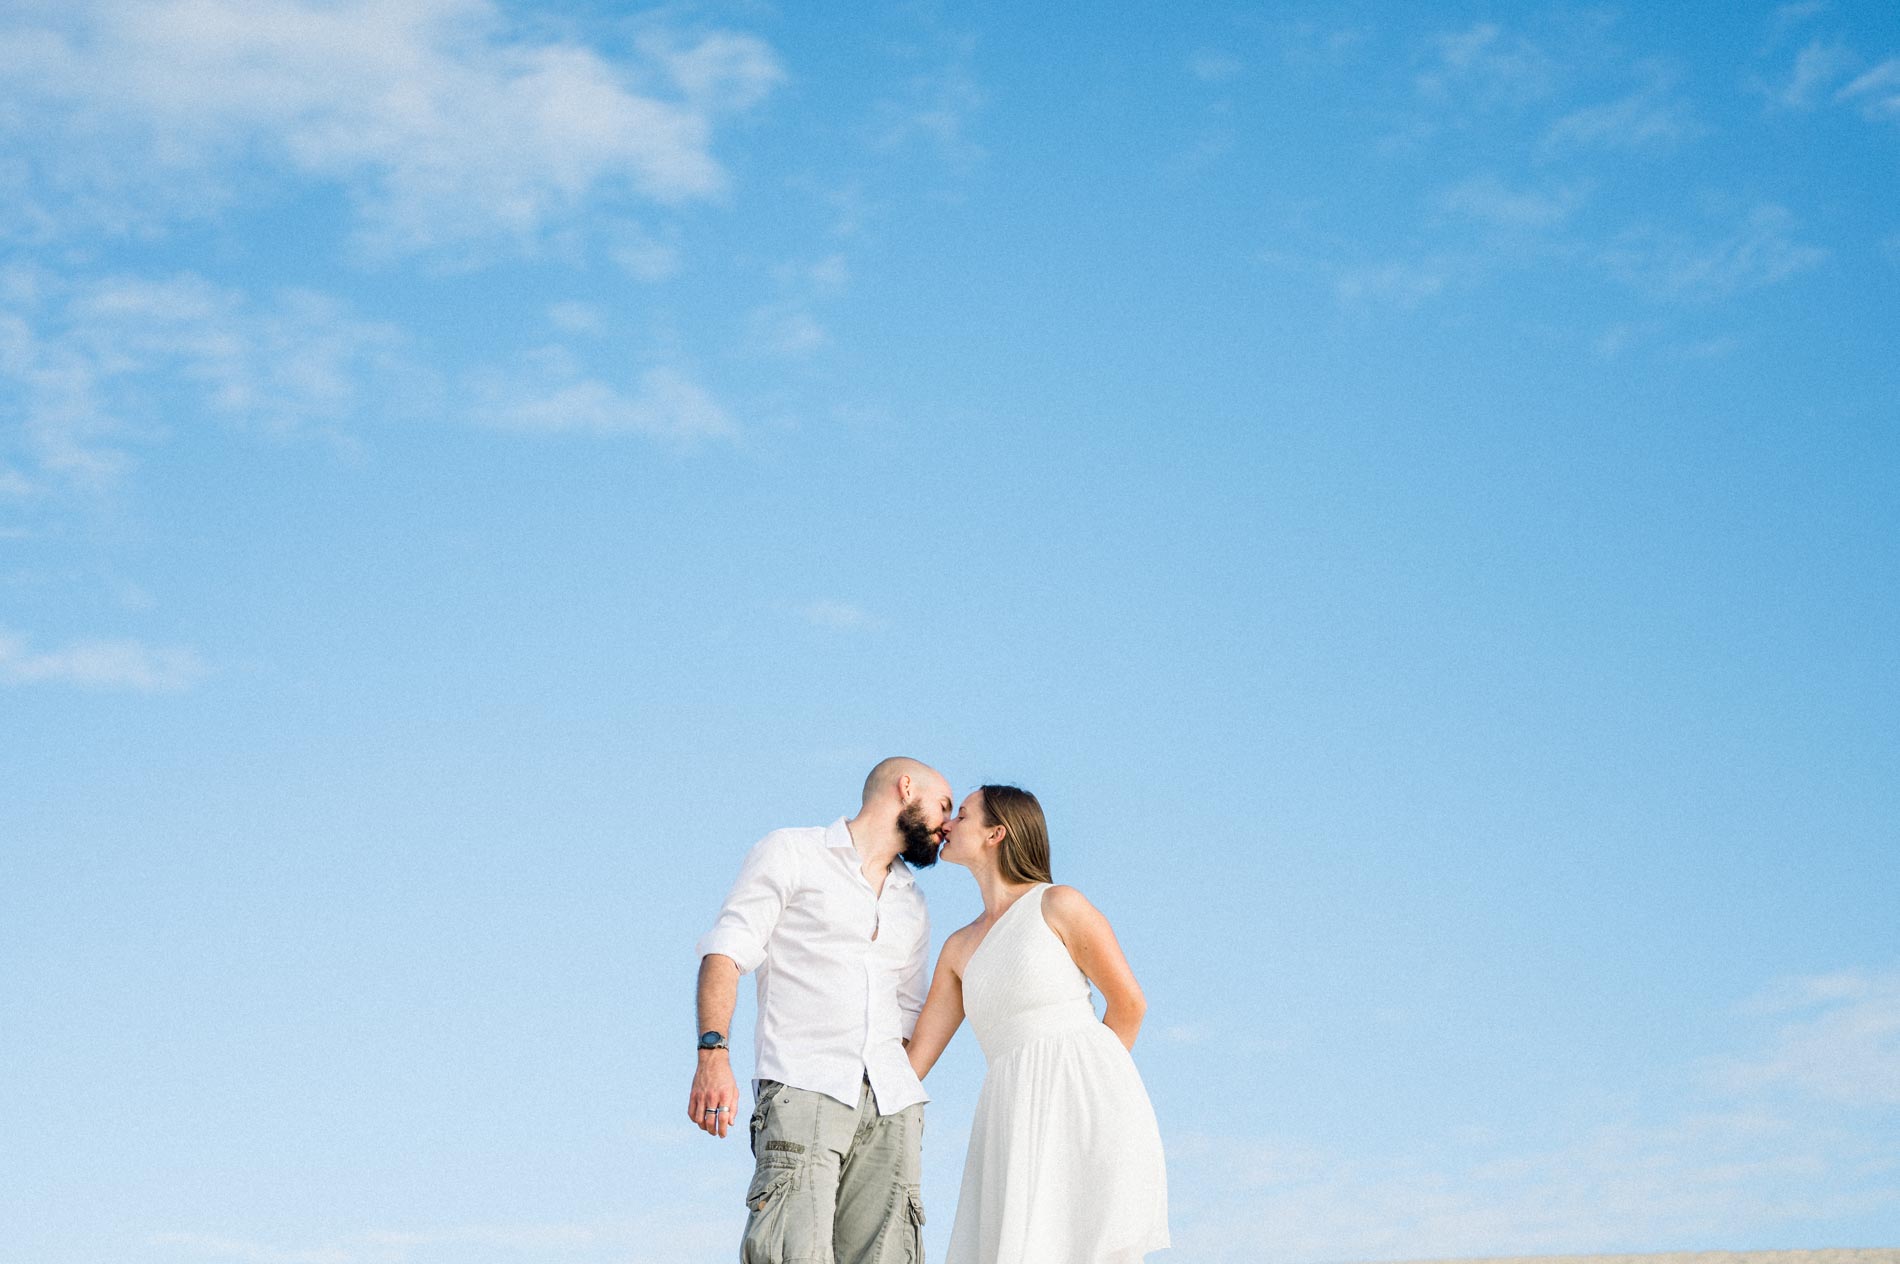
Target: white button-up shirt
841, 968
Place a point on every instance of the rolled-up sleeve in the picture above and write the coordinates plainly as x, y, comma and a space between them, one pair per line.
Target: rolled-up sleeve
914, 980
752, 907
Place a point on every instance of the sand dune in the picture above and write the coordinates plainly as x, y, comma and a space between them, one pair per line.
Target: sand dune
1870, 1255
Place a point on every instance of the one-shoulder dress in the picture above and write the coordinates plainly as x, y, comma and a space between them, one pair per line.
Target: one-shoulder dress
1065, 1163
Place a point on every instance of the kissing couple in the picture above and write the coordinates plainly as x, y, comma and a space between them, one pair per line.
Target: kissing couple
1064, 1164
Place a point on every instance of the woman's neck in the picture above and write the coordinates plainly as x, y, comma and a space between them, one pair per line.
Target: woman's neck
998, 892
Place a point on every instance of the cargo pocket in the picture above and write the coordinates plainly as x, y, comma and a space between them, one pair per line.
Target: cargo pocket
915, 1198
765, 1228
768, 1089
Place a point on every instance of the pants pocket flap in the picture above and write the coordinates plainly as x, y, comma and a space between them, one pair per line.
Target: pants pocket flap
768, 1183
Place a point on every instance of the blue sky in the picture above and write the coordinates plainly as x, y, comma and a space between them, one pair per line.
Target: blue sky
1412, 488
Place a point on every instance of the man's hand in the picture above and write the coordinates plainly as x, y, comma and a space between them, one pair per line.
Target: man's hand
714, 1104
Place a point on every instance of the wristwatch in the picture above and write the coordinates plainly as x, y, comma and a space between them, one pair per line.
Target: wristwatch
712, 1040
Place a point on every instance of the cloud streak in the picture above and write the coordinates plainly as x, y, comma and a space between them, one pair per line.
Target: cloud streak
101, 665
1839, 1041
101, 367
1791, 1134
441, 124
1761, 251
552, 394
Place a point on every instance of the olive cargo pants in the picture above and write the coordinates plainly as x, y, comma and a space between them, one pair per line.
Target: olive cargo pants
833, 1185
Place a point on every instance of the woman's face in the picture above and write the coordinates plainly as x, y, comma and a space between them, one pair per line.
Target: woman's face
963, 840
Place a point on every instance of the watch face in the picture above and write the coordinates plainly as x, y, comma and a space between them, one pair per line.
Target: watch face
710, 1040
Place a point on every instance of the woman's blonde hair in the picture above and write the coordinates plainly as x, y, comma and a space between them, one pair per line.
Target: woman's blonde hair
1024, 855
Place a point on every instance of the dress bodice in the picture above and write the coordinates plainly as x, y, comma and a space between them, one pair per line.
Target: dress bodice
1021, 984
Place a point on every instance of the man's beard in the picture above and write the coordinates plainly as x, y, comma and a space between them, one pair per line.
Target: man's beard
920, 841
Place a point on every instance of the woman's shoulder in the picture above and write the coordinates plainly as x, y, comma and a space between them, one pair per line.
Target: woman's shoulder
1064, 900
960, 943
1067, 910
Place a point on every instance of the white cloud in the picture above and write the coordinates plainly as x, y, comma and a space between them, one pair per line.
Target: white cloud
1619, 1187
1486, 65
1647, 119
442, 124
1186, 1033
785, 329
1211, 65
789, 326
1762, 251
552, 394
289, 364
101, 366
1877, 92
1738, 1164
838, 616
101, 665
1401, 284
1795, 14
828, 275
1490, 200
641, 255
1839, 1040
936, 106
693, 1223
576, 318
1816, 68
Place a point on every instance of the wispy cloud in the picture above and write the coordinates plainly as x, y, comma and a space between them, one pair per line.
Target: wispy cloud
1489, 200
1817, 68
441, 122
836, 616
785, 329
1211, 65
1485, 65
551, 393
936, 104
579, 1242
100, 665
104, 365
789, 326
1762, 251
1651, 118
1402, 284
1838, 1039
1620, 1186
1877, 92
1734, 1165
576, 318
692, 1228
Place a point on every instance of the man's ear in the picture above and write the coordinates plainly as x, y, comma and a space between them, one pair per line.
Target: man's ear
903, 789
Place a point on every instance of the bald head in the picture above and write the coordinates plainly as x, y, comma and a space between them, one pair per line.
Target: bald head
907, 803
883, 783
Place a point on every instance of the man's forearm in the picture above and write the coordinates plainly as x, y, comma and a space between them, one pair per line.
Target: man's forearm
718, 992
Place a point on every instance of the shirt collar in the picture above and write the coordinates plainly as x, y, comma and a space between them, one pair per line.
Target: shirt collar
838, 838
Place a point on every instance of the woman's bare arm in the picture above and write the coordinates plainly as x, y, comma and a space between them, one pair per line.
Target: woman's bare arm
943, 1009
1093, 947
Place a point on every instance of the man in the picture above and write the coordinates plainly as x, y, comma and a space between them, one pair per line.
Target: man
837, 930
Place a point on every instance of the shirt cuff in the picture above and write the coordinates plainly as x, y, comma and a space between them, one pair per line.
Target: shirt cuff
907, 1022
745, 951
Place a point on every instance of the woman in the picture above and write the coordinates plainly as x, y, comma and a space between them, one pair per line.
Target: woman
1064, 1165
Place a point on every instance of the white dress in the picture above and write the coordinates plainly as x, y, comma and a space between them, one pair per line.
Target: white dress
1065, 1161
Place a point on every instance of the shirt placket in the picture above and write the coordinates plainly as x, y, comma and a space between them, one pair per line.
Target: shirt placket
870, 974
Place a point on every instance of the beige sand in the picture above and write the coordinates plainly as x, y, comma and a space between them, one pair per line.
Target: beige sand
1873, 1255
